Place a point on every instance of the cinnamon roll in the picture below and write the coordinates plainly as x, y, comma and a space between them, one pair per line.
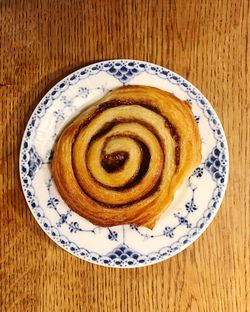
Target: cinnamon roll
121, 160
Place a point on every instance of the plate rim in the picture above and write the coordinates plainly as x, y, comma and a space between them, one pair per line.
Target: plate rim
183, 246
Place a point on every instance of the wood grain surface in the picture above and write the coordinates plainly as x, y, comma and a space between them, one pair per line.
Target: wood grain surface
207, 42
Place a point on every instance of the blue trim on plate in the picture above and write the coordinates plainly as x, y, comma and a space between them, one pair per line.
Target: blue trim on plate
216, 164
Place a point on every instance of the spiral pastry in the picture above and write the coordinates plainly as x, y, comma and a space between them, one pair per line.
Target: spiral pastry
121, 160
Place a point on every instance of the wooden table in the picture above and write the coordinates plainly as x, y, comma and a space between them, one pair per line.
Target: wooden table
207, 42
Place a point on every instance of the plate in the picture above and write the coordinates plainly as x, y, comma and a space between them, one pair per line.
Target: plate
195, 203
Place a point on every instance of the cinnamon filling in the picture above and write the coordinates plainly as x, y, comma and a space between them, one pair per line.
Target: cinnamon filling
115, 161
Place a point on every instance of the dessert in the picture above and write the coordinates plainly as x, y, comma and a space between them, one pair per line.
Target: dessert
121, 160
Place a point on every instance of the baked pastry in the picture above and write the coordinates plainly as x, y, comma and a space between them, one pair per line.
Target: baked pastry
121, 160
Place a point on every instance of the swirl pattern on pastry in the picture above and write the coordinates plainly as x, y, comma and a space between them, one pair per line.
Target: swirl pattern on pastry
121, 160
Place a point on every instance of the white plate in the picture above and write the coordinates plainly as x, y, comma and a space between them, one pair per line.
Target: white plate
195, 203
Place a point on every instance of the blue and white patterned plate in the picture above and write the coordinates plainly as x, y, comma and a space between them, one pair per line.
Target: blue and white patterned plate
195, 203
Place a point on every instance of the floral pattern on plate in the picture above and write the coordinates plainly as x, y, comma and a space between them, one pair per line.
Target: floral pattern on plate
195, 203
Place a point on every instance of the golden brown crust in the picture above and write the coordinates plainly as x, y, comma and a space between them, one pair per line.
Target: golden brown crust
121, 161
